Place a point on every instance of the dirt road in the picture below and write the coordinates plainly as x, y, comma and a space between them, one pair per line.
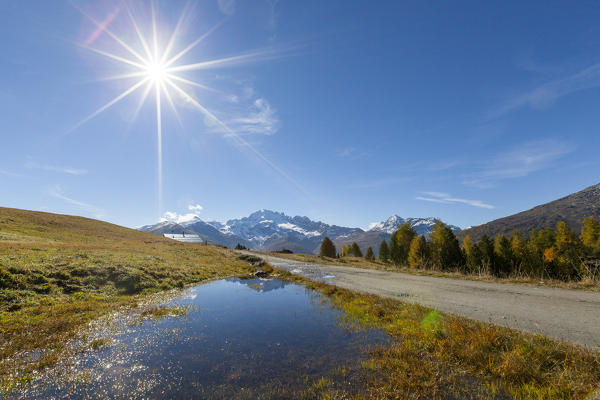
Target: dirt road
568, 315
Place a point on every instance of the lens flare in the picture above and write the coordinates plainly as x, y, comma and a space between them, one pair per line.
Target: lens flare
155, 69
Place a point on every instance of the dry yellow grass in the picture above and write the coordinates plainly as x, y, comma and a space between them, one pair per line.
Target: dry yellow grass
58, 272
439, 356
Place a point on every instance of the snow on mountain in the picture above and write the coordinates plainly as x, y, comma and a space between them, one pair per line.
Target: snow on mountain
182, 219
165, 227
265, 226
388, 226
270, 230
189, 220
423, 226
295, 228
220, 226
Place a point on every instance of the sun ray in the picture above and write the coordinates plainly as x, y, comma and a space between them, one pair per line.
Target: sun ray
171, 42
142, 100
114, 57
193, 44
159, 140
219, 61
192, 83
154, 32
109, 104
122, 76
171, 103
139, 32
234, 134
159, 72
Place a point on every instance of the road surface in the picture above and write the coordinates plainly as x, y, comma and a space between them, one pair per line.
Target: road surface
566, 315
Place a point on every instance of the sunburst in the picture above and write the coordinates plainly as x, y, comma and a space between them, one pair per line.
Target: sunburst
156, 70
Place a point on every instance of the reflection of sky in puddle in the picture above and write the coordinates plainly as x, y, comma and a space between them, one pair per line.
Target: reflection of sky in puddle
241, 338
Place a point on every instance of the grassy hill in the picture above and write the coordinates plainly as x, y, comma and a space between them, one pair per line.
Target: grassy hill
572, 209
57, 272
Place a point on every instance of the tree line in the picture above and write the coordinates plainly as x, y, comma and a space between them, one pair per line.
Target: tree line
557, 253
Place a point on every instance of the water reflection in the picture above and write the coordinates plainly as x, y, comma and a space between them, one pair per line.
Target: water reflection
241, 339
261, 285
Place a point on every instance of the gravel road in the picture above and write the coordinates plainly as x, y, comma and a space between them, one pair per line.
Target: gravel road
567, 315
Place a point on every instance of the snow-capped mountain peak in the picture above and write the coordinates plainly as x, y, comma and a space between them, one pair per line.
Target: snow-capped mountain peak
271, 230
264, 225
422, 226
390, 225
190, 220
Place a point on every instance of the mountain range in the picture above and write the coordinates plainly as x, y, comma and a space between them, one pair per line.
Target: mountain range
268, 230
271, 231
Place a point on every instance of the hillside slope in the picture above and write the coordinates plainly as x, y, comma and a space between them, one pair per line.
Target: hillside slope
64, 251
57, 272
572, 209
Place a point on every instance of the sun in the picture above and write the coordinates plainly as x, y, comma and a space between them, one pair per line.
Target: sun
153, 65
157, 72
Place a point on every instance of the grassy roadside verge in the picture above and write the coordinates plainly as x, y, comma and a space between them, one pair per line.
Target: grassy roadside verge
379, 265
57, 273
439, 356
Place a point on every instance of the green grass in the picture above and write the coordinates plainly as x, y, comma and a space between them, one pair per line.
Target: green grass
57, 273
436, 355
160, 312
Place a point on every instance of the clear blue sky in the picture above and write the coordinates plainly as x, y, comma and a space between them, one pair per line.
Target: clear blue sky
463, 110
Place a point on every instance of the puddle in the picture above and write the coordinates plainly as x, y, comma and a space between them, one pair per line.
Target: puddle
257, 338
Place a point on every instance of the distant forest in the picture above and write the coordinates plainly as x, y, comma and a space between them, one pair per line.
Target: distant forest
557, 253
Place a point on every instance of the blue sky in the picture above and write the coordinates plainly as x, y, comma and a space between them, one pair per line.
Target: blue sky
345, 112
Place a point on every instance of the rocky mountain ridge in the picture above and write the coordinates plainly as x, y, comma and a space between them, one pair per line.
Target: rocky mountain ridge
571, 209
271, 230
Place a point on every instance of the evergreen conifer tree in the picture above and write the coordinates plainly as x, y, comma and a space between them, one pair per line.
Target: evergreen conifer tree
355, 250
486, 250
402, 239
327, 248
384, 251
394, 251
370, 255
